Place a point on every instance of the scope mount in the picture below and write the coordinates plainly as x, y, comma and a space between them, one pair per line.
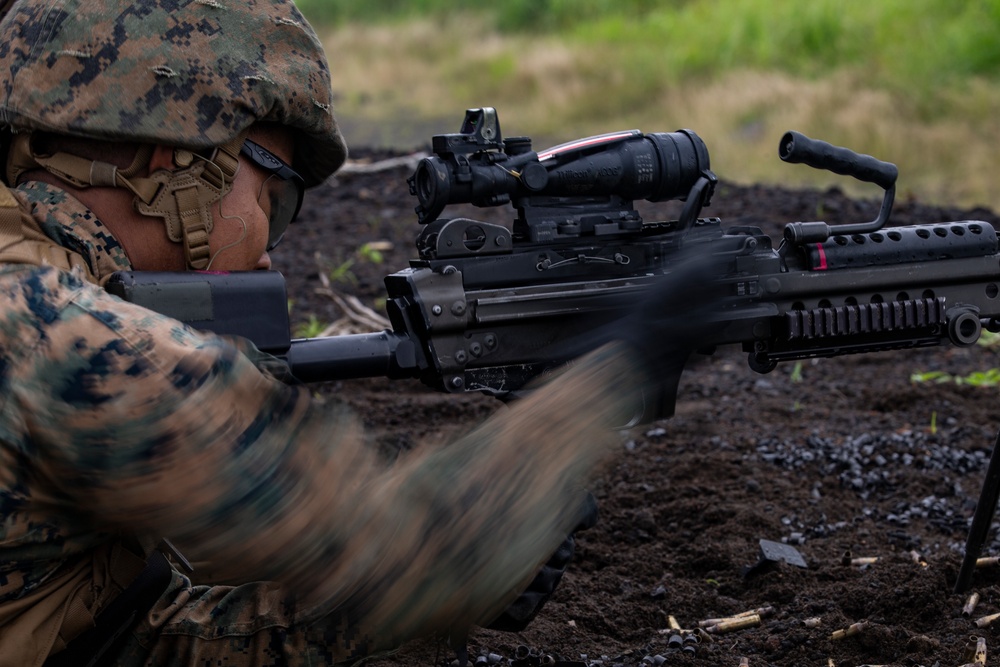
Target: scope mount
480, 132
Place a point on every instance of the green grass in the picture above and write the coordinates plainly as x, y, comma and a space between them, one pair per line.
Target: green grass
913, 82
989, 378
910, 44
511, 15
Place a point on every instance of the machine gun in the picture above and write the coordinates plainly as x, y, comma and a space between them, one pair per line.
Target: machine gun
484, 307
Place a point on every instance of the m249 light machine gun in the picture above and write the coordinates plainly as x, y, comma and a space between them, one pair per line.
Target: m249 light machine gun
487, 308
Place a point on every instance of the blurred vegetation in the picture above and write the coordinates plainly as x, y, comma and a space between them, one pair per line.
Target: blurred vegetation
916, 82
508, 15
903, 43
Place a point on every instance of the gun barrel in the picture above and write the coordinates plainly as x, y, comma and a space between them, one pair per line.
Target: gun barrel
383, 354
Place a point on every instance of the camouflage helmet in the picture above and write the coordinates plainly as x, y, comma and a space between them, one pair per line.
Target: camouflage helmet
187, 73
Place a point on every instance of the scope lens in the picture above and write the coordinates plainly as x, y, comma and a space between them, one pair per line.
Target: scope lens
431, 185
425, 183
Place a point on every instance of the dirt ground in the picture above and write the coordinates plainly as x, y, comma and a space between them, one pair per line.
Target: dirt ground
846, 455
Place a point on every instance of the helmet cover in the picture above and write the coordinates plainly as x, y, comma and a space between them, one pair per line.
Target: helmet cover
185, 73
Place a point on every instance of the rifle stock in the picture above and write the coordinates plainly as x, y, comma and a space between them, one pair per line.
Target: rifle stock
488, 308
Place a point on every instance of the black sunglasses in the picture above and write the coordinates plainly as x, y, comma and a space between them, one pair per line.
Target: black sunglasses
285, 200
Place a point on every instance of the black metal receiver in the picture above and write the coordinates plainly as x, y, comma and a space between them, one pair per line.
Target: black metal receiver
485, 307
494, 308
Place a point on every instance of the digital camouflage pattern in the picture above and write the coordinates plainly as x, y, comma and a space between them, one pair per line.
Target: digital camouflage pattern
190, 73
116, 420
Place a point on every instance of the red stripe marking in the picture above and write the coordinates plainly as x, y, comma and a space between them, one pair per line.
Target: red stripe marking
580, 143
822, 258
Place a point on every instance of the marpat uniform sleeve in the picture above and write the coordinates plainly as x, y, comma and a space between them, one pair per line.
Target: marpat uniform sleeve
143, 425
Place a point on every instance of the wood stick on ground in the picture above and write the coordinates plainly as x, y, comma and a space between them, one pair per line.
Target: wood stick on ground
363, 167
357, 317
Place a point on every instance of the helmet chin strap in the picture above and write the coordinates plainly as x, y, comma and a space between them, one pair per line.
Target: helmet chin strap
182, 197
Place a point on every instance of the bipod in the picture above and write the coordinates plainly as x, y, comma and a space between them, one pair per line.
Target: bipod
981, 520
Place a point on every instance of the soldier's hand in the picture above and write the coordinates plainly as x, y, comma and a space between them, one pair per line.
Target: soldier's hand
675, 315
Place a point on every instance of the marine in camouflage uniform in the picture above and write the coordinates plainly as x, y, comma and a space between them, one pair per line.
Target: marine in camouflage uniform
119, 426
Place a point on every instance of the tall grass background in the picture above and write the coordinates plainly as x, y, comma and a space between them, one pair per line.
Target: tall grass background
913, 82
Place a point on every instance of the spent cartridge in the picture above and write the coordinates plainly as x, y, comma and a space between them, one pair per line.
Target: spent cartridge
734, 624
970, 605
986, 620
850, 630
